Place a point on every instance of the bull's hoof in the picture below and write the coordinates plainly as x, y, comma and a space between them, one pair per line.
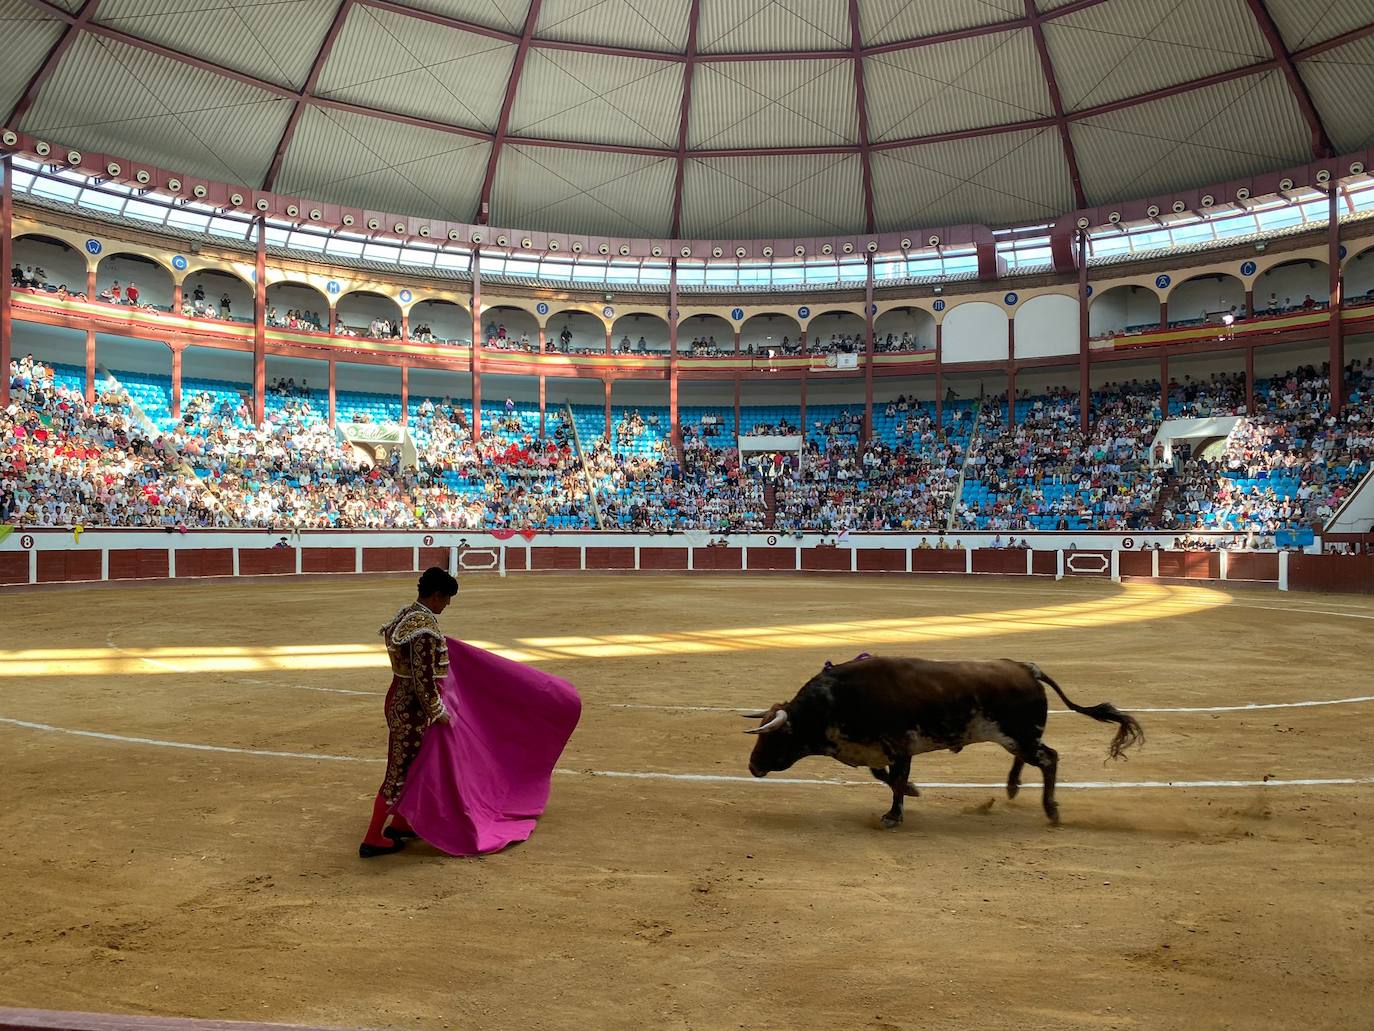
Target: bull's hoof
1052, 811
1013, 788
911, 791
891, 822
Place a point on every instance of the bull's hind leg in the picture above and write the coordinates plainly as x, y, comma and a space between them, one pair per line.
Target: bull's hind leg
909, 789
898, 773
1014, 777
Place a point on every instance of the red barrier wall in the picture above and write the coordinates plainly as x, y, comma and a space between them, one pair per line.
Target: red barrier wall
138, 564
388, 560
1137, 563
14, 567
882, 560
1044, 563
1242, 566
823, 559
932, 561
610, 558
328, 560
515, 558
60, 566
716, 558
205, 562
434, 557
555, 558
773, 558
1191, 565
263, 561
662, 558
1348, 573
987, 560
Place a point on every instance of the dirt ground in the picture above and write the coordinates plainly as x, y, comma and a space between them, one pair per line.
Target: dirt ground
141, 878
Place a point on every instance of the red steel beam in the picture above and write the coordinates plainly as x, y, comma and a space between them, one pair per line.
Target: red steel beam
688, 74
1353, 36
1080, 199
316, 66
1321, 142
861, 103
503, 123
54, 56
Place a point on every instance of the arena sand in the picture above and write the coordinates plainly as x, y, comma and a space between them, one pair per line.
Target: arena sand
158, 880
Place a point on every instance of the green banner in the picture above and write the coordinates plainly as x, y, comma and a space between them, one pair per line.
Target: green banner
5, 531
371, 432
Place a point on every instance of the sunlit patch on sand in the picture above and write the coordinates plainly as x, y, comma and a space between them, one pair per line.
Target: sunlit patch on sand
1134, 603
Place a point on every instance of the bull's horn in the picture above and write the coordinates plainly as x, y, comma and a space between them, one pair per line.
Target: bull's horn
779, 718
755, 715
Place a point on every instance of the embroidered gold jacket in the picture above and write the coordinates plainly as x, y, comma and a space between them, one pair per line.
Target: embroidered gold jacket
419, 658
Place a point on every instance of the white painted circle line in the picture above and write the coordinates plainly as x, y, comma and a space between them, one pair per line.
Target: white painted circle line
1247, 707
707, 778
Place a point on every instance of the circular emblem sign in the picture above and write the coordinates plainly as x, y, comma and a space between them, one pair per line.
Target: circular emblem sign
333, 286
1344, 252
405, 296
429, 540
873, 309
179, 262
93, 247
772, 540
608, 312
1163, 282
1248, 268
803, 312
939, 305
736, 313
26, 541
1128, 543
1090, 289
1010, 300
542, 308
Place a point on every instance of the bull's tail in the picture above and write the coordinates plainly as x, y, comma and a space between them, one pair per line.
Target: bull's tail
1128, 731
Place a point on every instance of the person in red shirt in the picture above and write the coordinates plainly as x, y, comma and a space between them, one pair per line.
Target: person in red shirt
131, 294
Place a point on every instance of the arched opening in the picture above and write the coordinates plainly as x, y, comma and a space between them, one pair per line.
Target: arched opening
975, 332
364, 313
1121, 311
216, 387
1359, 280
47, 264
907, 329
1301, 285
367, 393
705, 336
297, 306
1206, 299
213, 294
770, 331
575, 332
440, 322
837, 332
1047, 326
297, 393
133, 280
641, 333
506, 328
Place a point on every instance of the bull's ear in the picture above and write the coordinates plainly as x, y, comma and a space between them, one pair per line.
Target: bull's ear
779, 719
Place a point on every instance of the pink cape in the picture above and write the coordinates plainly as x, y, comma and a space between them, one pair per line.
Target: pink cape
479, 782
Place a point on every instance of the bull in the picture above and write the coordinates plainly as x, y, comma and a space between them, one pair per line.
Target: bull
879, 712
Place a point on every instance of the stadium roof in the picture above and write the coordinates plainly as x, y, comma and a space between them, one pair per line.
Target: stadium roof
700, 118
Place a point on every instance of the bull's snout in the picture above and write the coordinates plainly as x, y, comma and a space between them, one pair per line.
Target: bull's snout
756, 771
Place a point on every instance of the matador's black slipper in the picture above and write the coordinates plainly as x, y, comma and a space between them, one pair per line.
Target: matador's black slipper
399, 835
366, 851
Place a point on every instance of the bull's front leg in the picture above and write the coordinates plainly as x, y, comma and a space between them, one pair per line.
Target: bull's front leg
898, 773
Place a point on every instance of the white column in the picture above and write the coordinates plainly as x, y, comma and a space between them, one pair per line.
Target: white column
689, 558
33, 562
1223, 563
415, 559
744, 557
171, 563
636, 558
853, 560
298, 559
1059, 564
235, 566
968, 560
104, 563
453, 559
358, 559
908, 560
583, 565
1116, 566
1030, 561
797, 559
1283, 570
1154, 564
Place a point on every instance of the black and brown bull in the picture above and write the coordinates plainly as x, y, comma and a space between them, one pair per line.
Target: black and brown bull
878, 713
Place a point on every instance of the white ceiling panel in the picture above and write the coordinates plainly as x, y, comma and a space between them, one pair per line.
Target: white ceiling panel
641, 24
506, 15
795, 195
574, 96
1303, 23
763, 26
29, 35
1009, 177
571, 191
888, 21
372, 163
393, 62
986, 80
1341, 84
1117, 50
773, 104
1200, 137
106, 96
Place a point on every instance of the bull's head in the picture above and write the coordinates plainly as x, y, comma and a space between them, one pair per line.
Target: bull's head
778, 745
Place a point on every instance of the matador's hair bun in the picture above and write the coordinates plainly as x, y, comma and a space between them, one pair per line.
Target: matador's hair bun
437, 581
